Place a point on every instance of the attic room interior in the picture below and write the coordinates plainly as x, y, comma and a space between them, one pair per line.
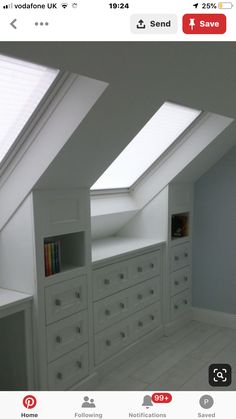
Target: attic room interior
117, 215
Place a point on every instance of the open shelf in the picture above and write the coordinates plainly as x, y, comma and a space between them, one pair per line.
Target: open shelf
179, 225
63, 253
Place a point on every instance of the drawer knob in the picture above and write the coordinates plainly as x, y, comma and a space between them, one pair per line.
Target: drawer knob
151, 291
79, 364
122, 305
122, 334
121, 276
140, 269
176, 307
185, 301
58, 339
140, 323
176, 282
152, 265
152, 317
59, 376
185, 254
77, 294
140, 297
106, 281
108, 342
57, 302
176, 257
185, 278
78, 329
107, 312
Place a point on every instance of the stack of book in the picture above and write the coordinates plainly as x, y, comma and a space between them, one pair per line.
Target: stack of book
52, 257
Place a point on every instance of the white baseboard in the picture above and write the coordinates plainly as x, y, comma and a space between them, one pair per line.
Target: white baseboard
218, 318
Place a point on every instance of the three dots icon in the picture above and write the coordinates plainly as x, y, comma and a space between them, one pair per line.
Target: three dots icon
41, 23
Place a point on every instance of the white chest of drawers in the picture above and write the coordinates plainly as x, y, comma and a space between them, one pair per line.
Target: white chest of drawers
127, 302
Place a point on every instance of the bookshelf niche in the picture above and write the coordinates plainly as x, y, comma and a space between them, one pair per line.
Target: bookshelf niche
63, 253
180, 225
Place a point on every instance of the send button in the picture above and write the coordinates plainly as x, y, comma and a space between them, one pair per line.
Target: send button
154, 24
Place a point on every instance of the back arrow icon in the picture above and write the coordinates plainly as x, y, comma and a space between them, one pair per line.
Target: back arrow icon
13, 24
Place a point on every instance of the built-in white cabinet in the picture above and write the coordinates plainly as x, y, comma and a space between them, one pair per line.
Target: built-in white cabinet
127, 295
178, 254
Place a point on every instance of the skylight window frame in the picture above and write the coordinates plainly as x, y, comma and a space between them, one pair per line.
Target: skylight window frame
159, 161
24, 138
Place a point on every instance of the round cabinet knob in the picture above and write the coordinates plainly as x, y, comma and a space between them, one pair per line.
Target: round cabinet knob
78, 329
140, 323
57, 302
121, 276
107, 312
140, 297
176, 307
122, 334
176, 257
151, 291
140, 269
58, 339
106, 281
108, 342
77, 294
185, 278
152, 265
185, 254
152, 317
122, 305
185, 301
59, 376
79, 364
176, 282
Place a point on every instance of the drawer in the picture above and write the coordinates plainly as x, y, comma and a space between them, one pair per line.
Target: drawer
180, 256
110, 279
66, 298
146, 320
67, 334
180, 280
69, 369
111, 341
111, 310
180, 304
145, 267
144, 294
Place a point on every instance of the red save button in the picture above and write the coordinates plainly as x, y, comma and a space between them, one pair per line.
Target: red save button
204, 24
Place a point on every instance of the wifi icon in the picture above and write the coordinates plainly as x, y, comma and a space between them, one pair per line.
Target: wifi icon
64, 5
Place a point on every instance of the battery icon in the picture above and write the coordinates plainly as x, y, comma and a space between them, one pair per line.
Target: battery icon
225, 5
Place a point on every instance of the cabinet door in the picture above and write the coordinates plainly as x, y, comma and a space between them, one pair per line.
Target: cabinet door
69, 369
67, 334
65, 298
145, 267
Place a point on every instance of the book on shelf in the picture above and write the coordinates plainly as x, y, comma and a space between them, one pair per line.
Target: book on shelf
52, 257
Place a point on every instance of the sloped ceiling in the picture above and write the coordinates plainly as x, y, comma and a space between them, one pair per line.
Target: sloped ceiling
141, 77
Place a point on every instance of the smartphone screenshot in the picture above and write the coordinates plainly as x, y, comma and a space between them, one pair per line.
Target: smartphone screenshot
117, 209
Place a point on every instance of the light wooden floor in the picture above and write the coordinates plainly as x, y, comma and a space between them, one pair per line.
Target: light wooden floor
177, 362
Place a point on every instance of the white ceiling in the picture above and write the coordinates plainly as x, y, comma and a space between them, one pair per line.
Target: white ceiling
141, 76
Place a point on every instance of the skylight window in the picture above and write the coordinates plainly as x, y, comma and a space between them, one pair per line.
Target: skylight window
167, 124
22, 87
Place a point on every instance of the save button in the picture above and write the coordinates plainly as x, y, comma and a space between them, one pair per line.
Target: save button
204, 24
